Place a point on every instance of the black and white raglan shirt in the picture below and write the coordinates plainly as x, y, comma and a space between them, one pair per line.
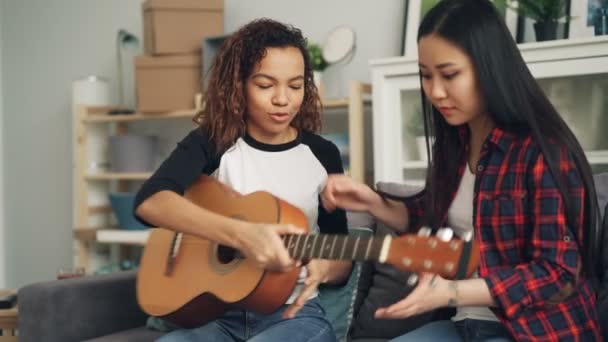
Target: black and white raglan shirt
295, 172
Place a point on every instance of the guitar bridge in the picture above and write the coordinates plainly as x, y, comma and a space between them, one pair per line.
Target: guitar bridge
175, 244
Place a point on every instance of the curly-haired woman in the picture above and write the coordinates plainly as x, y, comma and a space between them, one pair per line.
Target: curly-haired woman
256, 132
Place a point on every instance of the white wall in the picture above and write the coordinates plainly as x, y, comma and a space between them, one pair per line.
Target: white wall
377, 24
48, 44
3, 243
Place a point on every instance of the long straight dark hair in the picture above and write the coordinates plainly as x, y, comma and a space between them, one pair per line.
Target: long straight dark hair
514, 101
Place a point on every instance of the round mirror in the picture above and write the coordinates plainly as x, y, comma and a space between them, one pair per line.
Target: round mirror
339, 45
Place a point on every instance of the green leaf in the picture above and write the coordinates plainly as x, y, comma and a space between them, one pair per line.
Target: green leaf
540, 10
317, 61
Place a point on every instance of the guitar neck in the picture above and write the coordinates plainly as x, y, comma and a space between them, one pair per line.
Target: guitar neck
335, 247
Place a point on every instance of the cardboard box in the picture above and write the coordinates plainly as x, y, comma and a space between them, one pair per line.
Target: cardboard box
168, 83
179, 26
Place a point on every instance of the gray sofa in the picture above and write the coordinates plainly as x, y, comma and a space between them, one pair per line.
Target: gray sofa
104, 308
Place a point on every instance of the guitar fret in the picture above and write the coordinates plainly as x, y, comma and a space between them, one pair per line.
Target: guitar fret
333, 244
354, 255
287, 242
369, 245
377, 247
304, 245
343, 249
311, 252
332, 247
295, 249
322, 249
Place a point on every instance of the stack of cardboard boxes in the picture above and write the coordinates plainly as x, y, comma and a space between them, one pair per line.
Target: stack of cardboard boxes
168, 77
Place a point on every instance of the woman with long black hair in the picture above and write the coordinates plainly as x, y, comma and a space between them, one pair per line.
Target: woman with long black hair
506, 169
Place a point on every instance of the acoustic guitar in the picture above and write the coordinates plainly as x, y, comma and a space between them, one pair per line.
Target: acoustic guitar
190, 281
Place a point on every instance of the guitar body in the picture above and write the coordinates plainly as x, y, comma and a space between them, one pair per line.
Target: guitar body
204, 279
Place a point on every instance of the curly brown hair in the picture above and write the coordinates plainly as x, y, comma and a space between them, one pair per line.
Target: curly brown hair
223, 113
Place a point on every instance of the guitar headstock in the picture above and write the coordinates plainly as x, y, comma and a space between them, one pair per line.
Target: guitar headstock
438, 254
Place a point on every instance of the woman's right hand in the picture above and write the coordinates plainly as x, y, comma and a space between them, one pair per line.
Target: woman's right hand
343, 192
262, 243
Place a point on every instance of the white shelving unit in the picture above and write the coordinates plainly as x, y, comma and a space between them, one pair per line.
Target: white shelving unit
90, 219
573, 73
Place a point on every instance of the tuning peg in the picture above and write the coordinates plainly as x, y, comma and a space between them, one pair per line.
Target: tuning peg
424, 231
412, 280
468, 236
445, 234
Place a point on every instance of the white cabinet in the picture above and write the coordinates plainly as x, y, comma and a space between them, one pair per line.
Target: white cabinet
573, 73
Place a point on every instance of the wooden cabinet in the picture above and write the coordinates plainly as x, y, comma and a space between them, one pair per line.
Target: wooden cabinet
573, 73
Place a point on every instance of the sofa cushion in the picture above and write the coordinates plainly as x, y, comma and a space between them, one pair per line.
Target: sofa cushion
141, 334
77, 309
387, 286
382, 285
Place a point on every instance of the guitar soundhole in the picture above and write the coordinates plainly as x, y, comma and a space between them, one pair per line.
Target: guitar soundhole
225, 254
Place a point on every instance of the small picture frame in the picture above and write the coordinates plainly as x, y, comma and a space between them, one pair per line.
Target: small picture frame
409, 44
589, 18
415, 10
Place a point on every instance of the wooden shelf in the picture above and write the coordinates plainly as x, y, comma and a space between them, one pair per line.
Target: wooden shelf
99, 118
339, 103
597, 157
119, 176
100, 114
594, 158
121, 236
335, 103
8, 320
112, 235
415, 164
85, 234
418, 183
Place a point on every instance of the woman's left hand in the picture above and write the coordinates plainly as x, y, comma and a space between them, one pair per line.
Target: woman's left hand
431, 293
318, 272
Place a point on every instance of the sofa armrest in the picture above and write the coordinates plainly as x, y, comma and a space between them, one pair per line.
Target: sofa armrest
80, 308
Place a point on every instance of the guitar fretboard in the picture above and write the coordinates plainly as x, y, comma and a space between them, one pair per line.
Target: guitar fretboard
335, 247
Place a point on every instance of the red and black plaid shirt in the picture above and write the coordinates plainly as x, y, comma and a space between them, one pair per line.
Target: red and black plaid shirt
530, 258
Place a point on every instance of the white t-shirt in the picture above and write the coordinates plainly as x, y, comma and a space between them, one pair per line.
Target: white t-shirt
295, 171
460, 219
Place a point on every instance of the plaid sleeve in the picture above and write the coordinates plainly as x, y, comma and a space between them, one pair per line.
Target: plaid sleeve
414, 205
551, 248
415, 209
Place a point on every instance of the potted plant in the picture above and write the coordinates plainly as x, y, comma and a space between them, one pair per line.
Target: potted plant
317, 62
545, 13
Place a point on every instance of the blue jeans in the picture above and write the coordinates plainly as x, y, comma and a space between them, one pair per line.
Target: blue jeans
468, 330
309, 325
